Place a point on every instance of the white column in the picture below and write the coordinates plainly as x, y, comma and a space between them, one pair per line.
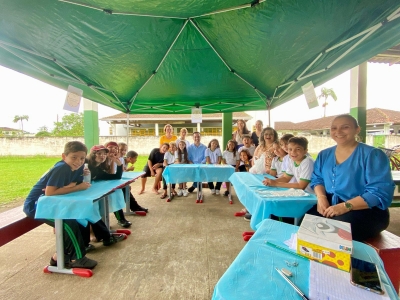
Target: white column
198, 127
156, 128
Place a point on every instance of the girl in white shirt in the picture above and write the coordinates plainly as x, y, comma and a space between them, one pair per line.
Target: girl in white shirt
214, 156
230, 157
169, 159
181, 157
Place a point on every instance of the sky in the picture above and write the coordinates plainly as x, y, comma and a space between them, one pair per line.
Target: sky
43, 103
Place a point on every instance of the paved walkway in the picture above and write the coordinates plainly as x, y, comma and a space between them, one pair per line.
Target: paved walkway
178, 251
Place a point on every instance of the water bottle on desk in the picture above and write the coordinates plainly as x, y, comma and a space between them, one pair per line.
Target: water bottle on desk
86, 178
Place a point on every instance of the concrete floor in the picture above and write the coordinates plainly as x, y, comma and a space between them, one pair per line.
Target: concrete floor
178, 251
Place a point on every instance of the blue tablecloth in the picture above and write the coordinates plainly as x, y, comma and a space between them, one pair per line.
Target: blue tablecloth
79, 205
197, 173
246, 186
252, 274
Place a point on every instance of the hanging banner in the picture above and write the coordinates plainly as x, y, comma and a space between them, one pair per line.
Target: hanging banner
73, 99
196, 115
309, 93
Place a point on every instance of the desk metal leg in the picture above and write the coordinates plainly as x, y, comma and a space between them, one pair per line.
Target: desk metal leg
230, 195
60, 256
170, 194
199, 192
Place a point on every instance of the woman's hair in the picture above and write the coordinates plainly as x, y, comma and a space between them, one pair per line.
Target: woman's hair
247, 153
105, 165
234, 144
350, 117
183, 128
168, 125
245, 130
167, 144
262, 124
184, 152
131, 154
286, 137
213, 140
262, 141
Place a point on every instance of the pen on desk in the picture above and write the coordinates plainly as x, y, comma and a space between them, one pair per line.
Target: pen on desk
303, 296
286, 250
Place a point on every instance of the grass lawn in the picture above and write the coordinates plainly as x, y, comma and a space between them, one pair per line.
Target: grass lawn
19, 174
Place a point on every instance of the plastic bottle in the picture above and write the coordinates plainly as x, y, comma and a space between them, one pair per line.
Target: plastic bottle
86, 178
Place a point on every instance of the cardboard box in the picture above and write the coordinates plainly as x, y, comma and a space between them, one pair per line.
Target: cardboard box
325, 240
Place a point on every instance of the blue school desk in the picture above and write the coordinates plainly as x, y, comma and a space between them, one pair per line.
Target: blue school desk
83, 206
252, 274
249, 189
199, 173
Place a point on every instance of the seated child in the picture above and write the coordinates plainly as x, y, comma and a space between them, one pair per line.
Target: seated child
245, 160
131, 158
230, 157
301, 168
283, 142
247, 144
214, 156
63, 178
122, 149
112, 159
181, 157
276, 165
169, 159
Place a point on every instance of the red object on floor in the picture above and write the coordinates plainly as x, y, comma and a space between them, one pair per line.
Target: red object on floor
248, 233
239, 214
247, 237
388, 247
140, 213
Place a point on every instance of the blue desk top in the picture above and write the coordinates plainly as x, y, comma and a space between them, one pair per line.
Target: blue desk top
79, 205
250, 194
252, 274
177, 173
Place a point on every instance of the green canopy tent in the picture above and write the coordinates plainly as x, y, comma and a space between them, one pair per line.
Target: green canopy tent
167, 56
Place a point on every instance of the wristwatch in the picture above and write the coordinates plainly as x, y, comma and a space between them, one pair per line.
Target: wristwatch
348, 205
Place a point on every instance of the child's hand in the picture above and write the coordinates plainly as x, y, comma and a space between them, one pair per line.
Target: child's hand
116, 160
268, 182
83, 186
86, 172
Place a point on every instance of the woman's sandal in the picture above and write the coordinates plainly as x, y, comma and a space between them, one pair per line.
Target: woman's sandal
163, 196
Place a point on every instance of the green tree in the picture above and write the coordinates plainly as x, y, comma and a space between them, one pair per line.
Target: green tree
70, 125
326, 93
43, 131
21, 119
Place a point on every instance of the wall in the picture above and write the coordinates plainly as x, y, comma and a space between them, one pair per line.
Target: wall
53, 146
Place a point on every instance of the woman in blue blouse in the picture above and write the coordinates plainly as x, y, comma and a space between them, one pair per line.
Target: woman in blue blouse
353, 182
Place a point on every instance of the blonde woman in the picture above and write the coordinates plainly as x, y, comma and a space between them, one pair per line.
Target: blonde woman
168, 136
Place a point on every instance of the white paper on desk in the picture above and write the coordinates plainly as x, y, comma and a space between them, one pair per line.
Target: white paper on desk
327, 283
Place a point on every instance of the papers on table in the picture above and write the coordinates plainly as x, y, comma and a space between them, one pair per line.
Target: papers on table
327, 283
281, 193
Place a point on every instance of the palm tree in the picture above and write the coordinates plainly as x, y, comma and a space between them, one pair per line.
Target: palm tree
325, 93
20, 119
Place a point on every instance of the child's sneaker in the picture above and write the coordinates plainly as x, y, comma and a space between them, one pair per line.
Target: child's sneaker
180, 193
185, 193
217, 192
212, 191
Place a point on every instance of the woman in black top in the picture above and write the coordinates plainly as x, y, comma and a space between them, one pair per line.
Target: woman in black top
154, 167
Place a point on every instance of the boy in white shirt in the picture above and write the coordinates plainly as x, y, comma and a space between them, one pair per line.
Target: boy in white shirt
301, 168
247, 144
277, 161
